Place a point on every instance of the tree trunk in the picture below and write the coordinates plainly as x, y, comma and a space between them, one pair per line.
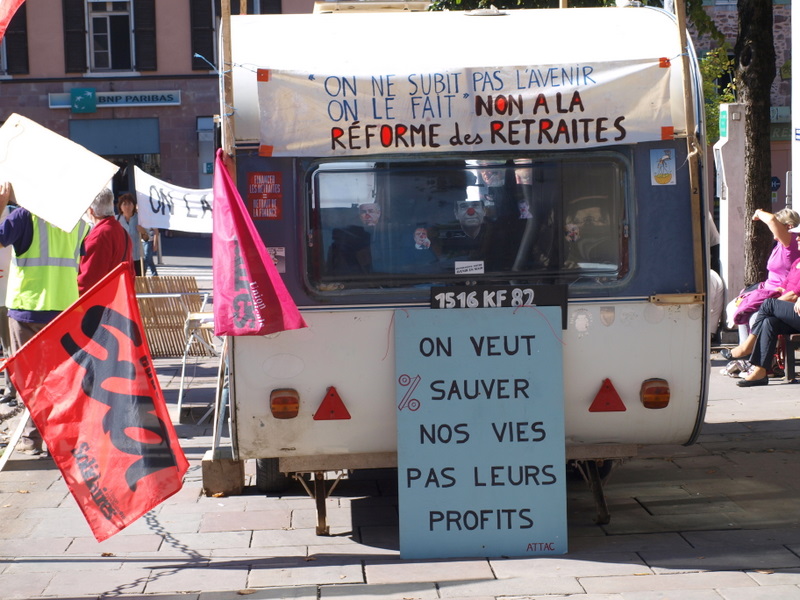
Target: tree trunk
755, 59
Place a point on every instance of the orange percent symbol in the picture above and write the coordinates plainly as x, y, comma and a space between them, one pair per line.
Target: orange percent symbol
408, 401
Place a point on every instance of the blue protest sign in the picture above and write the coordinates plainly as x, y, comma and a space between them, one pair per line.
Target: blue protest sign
480, 414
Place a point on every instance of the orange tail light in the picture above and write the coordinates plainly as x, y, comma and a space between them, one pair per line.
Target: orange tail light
284, 404
655, 393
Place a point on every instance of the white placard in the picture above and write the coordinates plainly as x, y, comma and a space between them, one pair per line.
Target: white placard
480, 439
167, 206
53, 177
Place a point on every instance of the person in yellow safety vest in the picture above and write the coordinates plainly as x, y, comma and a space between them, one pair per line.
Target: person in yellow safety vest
42, 281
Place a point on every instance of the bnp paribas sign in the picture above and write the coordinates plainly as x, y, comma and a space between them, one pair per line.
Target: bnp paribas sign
88, 100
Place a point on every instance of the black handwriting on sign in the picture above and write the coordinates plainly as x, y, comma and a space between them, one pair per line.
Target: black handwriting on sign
127, 413
163, 201
245, 315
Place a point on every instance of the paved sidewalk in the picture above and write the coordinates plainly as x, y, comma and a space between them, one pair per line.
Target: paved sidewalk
717, 520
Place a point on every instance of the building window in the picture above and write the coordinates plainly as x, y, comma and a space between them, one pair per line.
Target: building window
14, 45
204, 17
110, 36
113, 36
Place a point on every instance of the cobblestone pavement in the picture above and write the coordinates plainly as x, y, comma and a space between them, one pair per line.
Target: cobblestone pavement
716, 520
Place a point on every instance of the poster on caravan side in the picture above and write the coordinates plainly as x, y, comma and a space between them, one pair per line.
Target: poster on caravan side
52, 176
163, 205
548, 107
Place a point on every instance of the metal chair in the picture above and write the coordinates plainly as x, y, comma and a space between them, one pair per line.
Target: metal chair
198, 329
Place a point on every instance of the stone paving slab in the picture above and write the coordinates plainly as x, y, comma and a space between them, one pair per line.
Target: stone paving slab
778, 592
573, 565
307, 570
395, 571
307, 592
406, 591
666, 582
676, 595
528, 586
722, 559
718, 520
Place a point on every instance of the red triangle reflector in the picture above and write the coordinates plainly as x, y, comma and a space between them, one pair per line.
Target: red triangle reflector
607, 399
332, 407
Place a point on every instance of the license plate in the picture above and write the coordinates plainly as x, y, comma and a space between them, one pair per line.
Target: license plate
501, 296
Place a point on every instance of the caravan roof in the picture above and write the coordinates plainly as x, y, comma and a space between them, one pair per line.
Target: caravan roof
366, 44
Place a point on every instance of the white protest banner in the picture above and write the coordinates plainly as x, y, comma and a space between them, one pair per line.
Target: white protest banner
549, 107
53, 177
163, 205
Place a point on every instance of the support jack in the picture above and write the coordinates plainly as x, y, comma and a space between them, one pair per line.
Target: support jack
320, 494
594, 472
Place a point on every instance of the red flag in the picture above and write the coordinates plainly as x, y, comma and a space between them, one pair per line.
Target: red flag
250, 297
7, 10
91, 388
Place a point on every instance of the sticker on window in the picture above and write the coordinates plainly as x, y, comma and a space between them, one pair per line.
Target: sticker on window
466, 267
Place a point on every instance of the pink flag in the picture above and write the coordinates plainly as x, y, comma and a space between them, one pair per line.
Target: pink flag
7, 10
250, 297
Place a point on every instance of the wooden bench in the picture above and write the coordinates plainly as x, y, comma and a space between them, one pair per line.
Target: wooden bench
166, 303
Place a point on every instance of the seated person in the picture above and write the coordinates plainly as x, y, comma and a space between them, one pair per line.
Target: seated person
742, 309
776, 316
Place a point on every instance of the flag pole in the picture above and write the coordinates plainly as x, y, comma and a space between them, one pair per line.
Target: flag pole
227, 110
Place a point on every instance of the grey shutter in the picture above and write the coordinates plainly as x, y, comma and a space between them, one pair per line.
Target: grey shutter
74, 36
202, 22
17, 43
144, 32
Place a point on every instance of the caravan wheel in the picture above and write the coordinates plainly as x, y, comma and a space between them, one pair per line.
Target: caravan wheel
269, 478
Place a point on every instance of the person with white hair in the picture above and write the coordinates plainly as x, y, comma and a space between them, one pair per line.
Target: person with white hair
107, 244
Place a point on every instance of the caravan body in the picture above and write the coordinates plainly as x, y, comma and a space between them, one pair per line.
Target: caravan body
562, 132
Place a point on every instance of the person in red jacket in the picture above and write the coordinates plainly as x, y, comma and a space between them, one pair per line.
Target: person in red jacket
107, 244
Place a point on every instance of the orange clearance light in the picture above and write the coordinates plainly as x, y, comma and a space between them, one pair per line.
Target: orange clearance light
284, 404
655, 393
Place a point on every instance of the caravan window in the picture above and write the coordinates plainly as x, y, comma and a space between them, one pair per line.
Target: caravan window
408, 223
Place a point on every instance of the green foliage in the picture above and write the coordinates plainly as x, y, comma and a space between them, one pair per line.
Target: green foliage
714, 65
702, 22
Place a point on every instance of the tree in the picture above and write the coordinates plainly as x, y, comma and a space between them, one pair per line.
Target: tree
714, 66
755, 59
